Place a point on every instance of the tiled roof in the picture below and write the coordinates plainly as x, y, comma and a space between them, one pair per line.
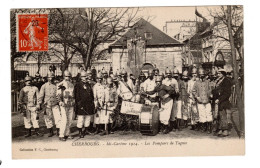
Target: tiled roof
142, 26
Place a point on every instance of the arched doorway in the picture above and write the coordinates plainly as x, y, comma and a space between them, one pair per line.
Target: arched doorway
146, 67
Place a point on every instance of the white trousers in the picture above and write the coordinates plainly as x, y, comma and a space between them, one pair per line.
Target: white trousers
205, 114
30, 119
66, 116
84, 120
178, 105
97, 117
165, 112
52, 112
105, 118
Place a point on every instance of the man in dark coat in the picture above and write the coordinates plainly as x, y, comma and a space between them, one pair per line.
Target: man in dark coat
221, 95
85, 107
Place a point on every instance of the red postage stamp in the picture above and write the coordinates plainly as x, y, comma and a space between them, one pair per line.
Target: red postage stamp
32, 32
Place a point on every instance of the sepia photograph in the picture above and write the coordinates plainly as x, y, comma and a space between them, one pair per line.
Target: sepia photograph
127, 81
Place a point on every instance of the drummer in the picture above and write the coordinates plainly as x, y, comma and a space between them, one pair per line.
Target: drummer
148, 86
165, 102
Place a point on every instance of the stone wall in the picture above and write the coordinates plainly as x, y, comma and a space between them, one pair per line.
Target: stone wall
162, 57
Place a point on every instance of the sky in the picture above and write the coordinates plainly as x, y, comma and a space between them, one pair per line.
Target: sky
159, 15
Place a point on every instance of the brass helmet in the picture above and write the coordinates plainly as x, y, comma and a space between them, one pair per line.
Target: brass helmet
158, 78
167, 71
151, 71
37, 75
213, 72
104, 71
194, 70
185, 74
175, 72
83, 73
99, 75
89, 72
27, 78
142, 74
201, 71
123, 72
50, 74
67, 73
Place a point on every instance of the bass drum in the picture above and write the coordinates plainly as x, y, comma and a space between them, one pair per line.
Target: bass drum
149, 120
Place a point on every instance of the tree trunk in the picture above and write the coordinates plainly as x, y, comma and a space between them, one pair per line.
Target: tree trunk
240, 103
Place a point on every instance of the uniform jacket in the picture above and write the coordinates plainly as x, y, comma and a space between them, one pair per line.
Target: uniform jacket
98, 92
123, 91
48, 94
222, 92
171, 82
84, 99
149, 85
184, 95
111, 97
28, 95
190, 87
164, 92
201, 91
65, 93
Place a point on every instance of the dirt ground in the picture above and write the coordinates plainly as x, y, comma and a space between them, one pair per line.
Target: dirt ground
18, 132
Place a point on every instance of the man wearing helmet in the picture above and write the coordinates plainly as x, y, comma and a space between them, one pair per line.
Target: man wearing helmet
192, 105
28, 99
105, 76
48, 100
202, 93
111, 100
125, 87
176, 115
66, 99
169, 81
98, 91
85, 107
166, 102
184, 97
90, 78
148, 86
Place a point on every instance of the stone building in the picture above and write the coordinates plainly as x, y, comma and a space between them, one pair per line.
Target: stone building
149, 45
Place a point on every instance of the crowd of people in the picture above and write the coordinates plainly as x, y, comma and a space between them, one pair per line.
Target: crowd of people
196, 100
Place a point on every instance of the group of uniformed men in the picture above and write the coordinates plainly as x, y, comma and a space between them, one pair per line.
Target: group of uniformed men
183, 100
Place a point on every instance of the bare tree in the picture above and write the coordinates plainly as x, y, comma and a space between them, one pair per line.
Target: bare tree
61, 27
94, 27
232, 19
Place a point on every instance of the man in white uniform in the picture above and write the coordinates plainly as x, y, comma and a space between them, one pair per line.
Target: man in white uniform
66, 98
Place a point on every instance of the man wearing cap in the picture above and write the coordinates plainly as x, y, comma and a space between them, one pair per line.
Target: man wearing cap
221, 95
28, 99
98, 91
48, 100
192, 104
125, 87
66, 99
85, 107
202, 92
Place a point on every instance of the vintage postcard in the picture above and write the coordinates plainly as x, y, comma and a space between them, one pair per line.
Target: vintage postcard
127, 82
